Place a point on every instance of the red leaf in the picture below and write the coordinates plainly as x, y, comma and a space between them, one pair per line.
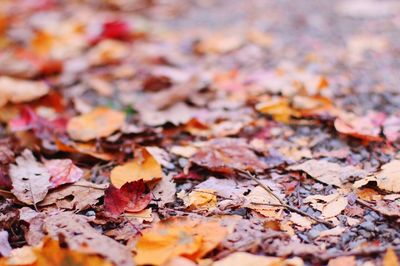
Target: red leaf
130, 197
62, 172
42, 127
116, 29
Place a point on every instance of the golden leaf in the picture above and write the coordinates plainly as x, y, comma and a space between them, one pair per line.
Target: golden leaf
144, 166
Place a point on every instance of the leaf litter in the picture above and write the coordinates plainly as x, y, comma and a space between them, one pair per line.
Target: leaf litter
186, 133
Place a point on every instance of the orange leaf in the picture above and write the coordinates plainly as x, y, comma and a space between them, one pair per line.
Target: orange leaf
144, 166
390, 258
178, 237
100, 122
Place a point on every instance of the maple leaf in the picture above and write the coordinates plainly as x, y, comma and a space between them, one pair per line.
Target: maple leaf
30, 179
130, 197
62, 172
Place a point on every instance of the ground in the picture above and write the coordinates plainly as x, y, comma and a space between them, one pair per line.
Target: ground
216, 133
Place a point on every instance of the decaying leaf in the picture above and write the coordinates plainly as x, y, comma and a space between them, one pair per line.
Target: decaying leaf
327, 172
18, 91
62, 172
30, 179
143, 166
84, 194
79, 235
100, 122
331, 205
225, 155
190, 238
131, 197
345, 260
365, 128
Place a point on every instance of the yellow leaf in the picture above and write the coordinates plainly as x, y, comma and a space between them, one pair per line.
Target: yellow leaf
178, 237
390, 258
144, 166
278, 108
201, 199
19, 90
100, 122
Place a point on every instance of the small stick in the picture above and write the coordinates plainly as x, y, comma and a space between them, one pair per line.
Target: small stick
281, 202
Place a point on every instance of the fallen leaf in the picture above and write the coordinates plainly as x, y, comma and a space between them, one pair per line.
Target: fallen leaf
390, 258
62, 171
200, 199
333, 204
336, 231
21, 256
278, 108
187, 237
130, 197
30, 179
84, 194
107, 52
225, 155
100, 122
344, 260
327, 172
18, 90
247, 259
144, 166
365, 128
388, 177
79, 235
303, 221
258, 200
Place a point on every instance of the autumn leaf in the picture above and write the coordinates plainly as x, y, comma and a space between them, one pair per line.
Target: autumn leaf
18, 90
130, 197
62, 171
100, 122
144, 166
278, 108
30, 179
116, 29
328, 172
225, 155
247, 259
390, 258
200, 199
185, 237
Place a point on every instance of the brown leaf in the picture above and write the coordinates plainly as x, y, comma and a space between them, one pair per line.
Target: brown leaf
225, 155
390, 258
345, 260
78, 233
327, 172
30, 179
84, 195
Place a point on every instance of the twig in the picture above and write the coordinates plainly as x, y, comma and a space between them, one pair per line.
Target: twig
281, 202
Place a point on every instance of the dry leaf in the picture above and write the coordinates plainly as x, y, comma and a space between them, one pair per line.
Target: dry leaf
333, 204
304, 222
79, 235
100, 122
336, 231
30, 179
62, 172
390, 258
18, 90
226, 154
247, 259
388, 177
21, 256
258, 200
278, 108
130, 197
144, 166
107, 52
359, 127
327, 172
201, 199
84, 195
345, 260
169, 239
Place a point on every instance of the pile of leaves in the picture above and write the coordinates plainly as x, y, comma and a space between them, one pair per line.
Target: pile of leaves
126, 139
